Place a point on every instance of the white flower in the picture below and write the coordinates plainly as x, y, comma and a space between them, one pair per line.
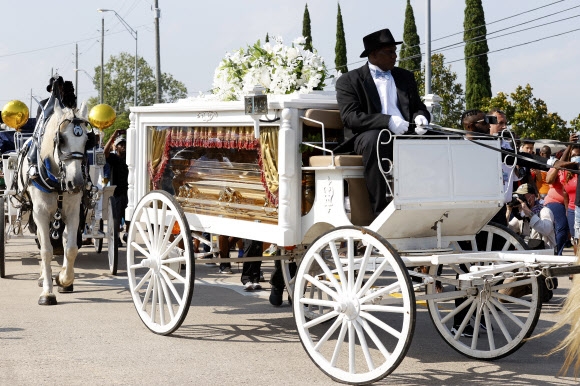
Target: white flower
278, 68
300, 40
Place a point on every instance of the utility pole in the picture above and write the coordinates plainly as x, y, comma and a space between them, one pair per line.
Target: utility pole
102, 59
158, 90
428, 48
77, 66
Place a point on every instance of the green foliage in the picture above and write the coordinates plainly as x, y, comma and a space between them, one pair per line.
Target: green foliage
444, 84
340, 60
306, 29
410, 54
477, 83
575, 123
529, 116
119, 85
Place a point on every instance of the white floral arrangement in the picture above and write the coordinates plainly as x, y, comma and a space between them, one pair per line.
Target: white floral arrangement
278, 68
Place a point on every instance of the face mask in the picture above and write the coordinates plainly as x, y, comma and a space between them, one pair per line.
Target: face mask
575, 159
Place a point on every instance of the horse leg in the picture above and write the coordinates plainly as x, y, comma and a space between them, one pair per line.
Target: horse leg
47, 297
66, 275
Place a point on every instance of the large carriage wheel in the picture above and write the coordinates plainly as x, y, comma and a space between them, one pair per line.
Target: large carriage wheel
98, 242
160, 262
112, 236
366, 308
505, 321
3, 238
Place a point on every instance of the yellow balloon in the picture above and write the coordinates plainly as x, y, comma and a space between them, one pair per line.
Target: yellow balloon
102, 116
15, 114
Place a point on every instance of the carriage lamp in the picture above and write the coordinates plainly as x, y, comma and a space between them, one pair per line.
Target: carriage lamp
256, 104
433, 104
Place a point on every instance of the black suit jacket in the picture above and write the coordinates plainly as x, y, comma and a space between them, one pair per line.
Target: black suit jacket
360, 104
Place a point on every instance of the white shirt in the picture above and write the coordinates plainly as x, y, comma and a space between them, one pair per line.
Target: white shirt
387, 92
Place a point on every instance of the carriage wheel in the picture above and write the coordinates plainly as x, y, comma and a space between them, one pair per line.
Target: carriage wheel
512, 317
366, 307
3, 236
112, 236
158, 246
98, 242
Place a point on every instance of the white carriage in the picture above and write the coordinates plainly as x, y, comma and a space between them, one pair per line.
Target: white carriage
353, 298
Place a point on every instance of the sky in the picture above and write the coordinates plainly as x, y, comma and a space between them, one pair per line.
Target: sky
40, 37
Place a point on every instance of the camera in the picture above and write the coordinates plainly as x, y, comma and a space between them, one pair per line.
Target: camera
515, 202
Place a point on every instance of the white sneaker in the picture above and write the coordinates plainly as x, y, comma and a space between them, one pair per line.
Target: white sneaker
256, 286
249, 286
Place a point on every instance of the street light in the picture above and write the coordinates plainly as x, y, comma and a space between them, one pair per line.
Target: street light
134, 35
81, 70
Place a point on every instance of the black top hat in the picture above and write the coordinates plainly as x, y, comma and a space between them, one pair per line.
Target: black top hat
376, 40
51, 81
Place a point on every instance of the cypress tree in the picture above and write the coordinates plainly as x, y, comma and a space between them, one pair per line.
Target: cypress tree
410, 54
306, 29
267, 38
477, 82
340, 60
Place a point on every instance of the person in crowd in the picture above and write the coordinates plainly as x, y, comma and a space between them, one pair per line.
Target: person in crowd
540, 176
251, 273
527, 146
374, 97
532, 220
557, 201
501, 125
120, 172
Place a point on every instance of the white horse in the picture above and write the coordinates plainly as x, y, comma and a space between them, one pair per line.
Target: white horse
55, 185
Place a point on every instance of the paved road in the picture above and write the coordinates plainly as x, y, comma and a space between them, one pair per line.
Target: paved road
94, 336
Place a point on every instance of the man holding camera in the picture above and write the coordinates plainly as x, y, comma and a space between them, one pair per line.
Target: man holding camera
532, 220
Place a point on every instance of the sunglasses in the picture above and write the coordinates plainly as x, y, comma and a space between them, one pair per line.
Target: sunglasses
491, 119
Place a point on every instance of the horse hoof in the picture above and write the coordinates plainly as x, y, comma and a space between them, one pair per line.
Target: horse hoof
65, 290
47, 300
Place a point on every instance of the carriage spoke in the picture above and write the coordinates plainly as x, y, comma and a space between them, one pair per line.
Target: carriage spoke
380, 346
148, 236
162, 234
179, 259
511, 299
160, 299
168, 283
364, 346
488, 246
176, 275
168, 301
507, 312
319, 284
381, 308
350, 256
322, 264
475, 337
362, 269
147, 294
142, 281
465, 321
374, 277
339, 342
154, 299
351, 348
328, 333
338, 265
451, 314
318, 302
146, 254
383, 291
490, 337
383, 326
500, 323
321, 319
168, 233
144, 236
173, 245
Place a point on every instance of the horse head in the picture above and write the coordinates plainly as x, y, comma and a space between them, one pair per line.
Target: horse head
63, 146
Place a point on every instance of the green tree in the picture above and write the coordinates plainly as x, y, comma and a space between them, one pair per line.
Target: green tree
477, 82
575, 124
410, 54
119, 86
267, 38
444, 84
529, 116
306, 29
340, 60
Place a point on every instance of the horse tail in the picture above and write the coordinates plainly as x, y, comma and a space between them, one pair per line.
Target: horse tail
570, 314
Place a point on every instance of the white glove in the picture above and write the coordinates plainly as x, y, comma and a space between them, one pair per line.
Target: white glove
398, 125
421, 122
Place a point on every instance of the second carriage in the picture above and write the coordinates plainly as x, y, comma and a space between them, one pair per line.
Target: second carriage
198, 167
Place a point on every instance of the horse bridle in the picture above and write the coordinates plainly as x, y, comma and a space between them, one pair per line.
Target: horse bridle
78, 131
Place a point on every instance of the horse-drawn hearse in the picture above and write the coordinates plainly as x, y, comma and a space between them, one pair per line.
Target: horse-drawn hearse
204, 167
200, 166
